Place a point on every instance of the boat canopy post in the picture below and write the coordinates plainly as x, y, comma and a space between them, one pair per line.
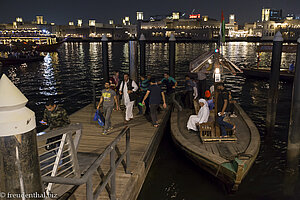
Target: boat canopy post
293, 150
104, 41
274, 80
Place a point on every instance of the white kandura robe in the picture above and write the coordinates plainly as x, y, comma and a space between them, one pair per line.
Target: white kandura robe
202, 117
128, 104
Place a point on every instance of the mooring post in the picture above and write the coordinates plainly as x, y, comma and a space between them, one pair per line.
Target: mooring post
104, 41
274, 80
19, 161
293, 149
142, 55
133, 60
172, 45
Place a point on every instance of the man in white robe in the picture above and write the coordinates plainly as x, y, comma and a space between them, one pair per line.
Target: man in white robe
127, 91
202, 116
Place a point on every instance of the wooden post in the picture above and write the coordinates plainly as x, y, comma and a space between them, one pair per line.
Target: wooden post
19, 162
133, 59
172, 46
293, 149
104, 41
142, 55
274, 80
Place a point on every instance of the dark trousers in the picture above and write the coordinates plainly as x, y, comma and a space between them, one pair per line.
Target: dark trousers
189, 99
230, 108
201, 88
223, 125
153, 112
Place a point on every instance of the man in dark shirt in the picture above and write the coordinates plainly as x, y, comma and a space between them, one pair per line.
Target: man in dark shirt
170, 84
156, 94
221, 107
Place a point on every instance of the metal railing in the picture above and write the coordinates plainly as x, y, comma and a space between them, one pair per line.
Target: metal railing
112, 150
58, 153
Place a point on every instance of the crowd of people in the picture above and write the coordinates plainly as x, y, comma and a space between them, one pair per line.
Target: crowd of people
149, 94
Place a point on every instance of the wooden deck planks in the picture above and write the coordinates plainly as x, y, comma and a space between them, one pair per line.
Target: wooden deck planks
93, 143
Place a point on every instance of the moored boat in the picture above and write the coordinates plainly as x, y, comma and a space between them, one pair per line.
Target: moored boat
229, 160
15, 60
263, 73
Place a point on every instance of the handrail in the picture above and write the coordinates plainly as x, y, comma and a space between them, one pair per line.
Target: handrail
111, 149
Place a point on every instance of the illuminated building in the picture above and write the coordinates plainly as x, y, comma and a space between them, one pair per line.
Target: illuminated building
271, 14
79, 22
205, 18
19, 19
139, 16
39, 19
195, 16
175, 15
92, 22
71, 23
231, 19
111, 21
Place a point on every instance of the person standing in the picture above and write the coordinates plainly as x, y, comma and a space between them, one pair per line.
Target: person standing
189, 84
128, 89
292, 67
115, 83
170, 84
108, 98
156, 95
144, 85
202, 81
222, 103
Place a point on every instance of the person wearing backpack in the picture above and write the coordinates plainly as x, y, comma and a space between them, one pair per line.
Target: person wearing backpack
128, 89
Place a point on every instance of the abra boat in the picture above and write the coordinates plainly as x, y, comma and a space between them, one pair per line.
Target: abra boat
228, 159
15, 60
263, 73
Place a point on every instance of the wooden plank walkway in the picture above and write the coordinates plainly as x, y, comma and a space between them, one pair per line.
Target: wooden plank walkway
143, 143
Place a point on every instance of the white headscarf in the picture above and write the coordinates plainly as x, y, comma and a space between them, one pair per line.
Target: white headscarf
203, 113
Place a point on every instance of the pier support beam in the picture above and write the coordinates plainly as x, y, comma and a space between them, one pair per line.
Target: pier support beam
104, 41
142, 55
293, 150
133, 60
172, 45
274, 80
19, 162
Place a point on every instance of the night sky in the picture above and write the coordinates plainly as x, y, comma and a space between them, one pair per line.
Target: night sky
63, 11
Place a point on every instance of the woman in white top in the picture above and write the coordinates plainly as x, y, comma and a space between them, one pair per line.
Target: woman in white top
202, 116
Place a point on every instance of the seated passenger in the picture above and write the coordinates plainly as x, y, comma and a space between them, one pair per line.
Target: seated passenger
202, 116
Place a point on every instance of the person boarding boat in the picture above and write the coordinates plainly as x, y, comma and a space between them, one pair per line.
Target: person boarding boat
202, 116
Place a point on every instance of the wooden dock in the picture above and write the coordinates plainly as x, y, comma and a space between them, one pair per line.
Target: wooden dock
143, 144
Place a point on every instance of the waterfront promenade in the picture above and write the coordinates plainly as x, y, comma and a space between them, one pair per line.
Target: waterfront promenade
143, 145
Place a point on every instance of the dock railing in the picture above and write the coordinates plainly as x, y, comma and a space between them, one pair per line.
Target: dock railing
58, 154
111, 150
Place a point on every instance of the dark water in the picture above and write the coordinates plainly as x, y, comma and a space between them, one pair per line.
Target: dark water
68, 76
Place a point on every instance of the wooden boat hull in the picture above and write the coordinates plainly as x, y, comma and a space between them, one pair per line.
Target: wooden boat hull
265, 74
225, 170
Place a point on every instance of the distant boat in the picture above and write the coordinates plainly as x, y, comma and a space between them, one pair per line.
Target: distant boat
263, 73
269, 47
15, 60
28, 40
